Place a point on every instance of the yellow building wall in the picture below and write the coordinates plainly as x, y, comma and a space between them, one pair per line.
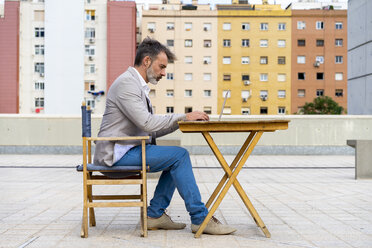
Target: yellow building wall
271, 14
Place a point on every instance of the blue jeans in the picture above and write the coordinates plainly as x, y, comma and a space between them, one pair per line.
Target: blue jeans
177, 173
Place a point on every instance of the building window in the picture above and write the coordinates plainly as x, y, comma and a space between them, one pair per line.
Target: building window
39, 49
152, 93
245, 42
319, 43
226, 26
228, 92
39, 102
170, 110
90, 33
39, 85
226, 60
264, 26
188, 93
207, 43
207, 60
281, 26
246, 111
320, 92
264, 43
207, 93
207, 76
188, 43
263, 77
339, 42
207, 110
301, 93
281, 43
301, 25
320, 75
90, 69
188, 76
245, 60
170, 76
90, 15
226, 77
301, 76
89, 86
264, 60
188, 60
281, 110
89, 50
301, 59
281, 60
245, 95
319, 25
39, 32
281, 93
339, 92
207, 26
170, 43
301, 42
245, 26
170, 25
338, 25
170, 93
339, 76
226, 43
245, 77
39, 67
319, 59
263, 110
227, 111
339, 59
282, 77
188, 26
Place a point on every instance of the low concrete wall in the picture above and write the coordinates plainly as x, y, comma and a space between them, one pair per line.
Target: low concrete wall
310, 134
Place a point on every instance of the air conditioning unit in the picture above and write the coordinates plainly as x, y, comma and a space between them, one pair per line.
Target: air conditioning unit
41, 74
244, 99
91, 58
263, 98
247, 82
205, 62
316, 64
151, 30
91, 40
207, 45
205, 29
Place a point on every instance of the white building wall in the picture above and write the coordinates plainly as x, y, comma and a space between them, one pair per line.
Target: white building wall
64, 56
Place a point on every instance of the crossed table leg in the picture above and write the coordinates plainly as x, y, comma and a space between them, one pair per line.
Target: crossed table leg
231, 172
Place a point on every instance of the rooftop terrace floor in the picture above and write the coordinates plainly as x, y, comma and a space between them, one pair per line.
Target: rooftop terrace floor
305, 201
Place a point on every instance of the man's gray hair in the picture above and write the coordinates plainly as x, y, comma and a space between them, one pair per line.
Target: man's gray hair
152, 48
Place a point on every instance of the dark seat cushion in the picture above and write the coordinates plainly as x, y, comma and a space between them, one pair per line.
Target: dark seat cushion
112, 171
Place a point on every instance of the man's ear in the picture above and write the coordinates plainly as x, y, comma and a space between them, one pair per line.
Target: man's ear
147, 61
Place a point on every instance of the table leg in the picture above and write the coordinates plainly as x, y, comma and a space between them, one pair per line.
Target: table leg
228, 184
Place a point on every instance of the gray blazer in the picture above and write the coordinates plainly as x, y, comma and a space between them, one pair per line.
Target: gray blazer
127, 114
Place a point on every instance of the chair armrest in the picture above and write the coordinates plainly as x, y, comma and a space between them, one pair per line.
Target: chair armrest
119, 138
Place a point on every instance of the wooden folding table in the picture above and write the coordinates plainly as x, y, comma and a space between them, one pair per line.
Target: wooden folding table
255, 128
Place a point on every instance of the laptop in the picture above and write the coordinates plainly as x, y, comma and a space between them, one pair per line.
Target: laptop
223, 105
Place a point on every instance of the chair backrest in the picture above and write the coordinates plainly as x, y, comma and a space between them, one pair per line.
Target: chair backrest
86, 125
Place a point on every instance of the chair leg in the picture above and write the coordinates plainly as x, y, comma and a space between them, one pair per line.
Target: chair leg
144, 208
84, 223
92, 217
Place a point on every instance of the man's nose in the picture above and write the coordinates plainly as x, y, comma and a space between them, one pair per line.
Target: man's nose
162, 72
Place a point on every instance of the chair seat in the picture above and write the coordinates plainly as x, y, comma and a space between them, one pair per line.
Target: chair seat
113, 171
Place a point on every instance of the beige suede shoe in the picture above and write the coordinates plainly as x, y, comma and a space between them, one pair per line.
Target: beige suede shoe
214, 227
163, 222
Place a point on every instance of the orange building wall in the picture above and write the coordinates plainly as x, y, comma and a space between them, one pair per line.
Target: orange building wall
329, 51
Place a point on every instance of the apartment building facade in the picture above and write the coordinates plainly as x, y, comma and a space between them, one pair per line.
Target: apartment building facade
319, 55
254, 59
190, 31
56, 65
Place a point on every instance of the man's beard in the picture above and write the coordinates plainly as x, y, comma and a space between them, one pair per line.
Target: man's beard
151, 76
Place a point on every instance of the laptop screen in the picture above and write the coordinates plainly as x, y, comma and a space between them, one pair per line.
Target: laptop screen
223, 105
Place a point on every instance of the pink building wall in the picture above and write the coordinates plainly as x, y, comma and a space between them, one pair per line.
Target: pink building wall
121, 38
9, 58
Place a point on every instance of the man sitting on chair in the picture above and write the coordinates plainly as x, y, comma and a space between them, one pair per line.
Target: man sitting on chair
129, 113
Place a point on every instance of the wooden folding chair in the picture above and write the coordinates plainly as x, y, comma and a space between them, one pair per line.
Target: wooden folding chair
114, 175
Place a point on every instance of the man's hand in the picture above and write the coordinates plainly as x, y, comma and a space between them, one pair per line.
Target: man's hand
197, 116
